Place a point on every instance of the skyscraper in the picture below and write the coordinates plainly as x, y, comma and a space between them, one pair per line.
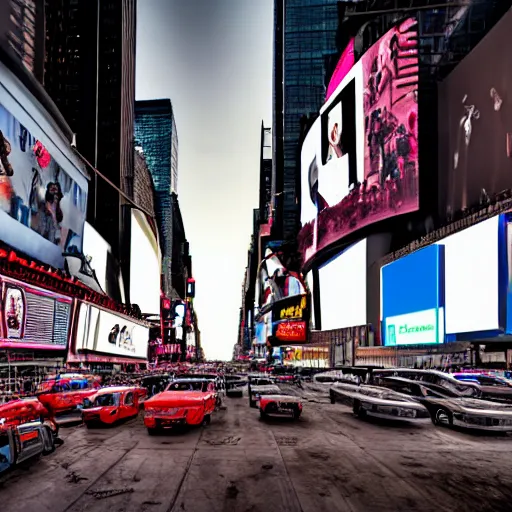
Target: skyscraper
155, 133
304, 36
90, 75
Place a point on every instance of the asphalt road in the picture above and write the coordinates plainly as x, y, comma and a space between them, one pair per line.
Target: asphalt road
327, 461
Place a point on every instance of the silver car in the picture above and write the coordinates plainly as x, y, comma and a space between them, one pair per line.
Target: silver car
377, 401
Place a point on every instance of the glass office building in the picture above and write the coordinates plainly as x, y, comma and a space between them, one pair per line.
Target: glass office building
155, 133
304, 37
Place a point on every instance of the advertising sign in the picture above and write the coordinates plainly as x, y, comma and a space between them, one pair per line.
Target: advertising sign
422, 327
475, 119
33, 318
42, 209
359, 161
344, 65
102, 331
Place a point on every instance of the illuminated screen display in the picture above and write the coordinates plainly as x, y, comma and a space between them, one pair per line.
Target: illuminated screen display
103, 331
34, 317
475, 116
310, 282
343, 289
42, 200
359, 161
412, 298
471, 287
144, 266
344, 65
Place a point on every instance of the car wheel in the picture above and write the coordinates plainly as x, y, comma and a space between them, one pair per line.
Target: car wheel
152, 431
333, 400
358, 410
263, 414
207, 420
443, 418
296, 413
49, 441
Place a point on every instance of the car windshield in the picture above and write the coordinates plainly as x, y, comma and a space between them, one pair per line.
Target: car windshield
187, 386
106, 400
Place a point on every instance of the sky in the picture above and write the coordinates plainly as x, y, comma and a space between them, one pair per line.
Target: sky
213, 59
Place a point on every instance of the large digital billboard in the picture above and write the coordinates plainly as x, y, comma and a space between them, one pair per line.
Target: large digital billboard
412, 298
33, 318
43, 194
104, 332
359, 161
343, 289
145, 265
475, 119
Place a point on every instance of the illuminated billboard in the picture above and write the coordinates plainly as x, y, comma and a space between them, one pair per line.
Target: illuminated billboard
107, 333
145, 265
33, 318
344, 65
475, 119
43, 189
359, 161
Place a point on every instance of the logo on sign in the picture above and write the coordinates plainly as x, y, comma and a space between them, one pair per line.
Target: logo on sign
408, 329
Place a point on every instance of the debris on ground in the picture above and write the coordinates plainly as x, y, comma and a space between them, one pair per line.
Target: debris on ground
107, 493
231, 440
75, 478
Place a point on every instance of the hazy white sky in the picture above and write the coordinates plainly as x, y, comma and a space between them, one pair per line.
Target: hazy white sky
213, 59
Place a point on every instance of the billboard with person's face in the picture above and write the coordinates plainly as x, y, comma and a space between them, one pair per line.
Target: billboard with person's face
42, 206
359, 161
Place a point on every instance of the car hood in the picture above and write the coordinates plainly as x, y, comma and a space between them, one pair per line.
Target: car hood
178, 398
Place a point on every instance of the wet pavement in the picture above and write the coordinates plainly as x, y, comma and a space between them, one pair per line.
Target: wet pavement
328, 460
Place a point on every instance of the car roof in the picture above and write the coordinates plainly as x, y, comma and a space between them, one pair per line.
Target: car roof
115, 389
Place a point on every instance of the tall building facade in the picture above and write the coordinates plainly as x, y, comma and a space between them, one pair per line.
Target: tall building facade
304, 37
90, 75
156, 134
22, 33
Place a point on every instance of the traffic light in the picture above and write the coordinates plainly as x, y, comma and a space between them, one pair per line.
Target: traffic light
166, 318
191, 287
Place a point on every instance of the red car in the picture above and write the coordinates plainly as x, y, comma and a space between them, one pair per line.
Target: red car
112, 404
184, 402
280, 405
26, 430
63, 397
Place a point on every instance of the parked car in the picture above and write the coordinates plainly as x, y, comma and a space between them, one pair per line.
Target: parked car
235, 385
26, 430
156, 383
22, 442
445, 380
448, 407
280, 405
256, 391
490, 385
64, 400
113, 404
377, 401
184, 402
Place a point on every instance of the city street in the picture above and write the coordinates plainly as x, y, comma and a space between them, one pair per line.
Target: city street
328, 460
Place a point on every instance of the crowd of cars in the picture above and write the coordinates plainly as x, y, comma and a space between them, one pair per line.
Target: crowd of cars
30, 426
476, 400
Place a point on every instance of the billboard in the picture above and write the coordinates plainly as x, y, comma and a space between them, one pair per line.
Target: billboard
475, 116
145, 265
412, 298
42, 206
347, 60
343, 289
359, 161
464, 276
32, 317
105, 332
